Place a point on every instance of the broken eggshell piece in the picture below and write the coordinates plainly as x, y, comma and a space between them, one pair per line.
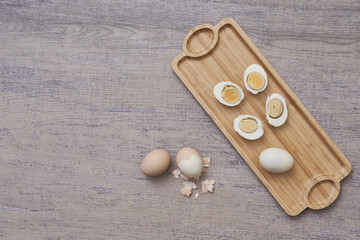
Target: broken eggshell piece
249, 127
255, 79
228, 93
189, 162
276, 110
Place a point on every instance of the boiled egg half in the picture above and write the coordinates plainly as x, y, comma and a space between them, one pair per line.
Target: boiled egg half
249, 127
255, 79
228, 93
276, 110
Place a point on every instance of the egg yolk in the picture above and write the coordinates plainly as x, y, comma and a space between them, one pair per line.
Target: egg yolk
248, 125
255, 81
230, 94
275, 108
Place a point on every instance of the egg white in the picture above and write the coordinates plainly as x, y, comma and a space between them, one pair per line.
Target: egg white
192, 167
250, 136
218, 93
277, 122
276, 160
255, 68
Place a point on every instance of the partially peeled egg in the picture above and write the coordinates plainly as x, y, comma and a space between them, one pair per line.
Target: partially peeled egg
255, 79
276, 110
249, 127
189, 161
228, 93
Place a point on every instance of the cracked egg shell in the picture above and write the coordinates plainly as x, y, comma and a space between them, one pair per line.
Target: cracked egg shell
249, 127
228, 93
189, 161
276, 110
255, 79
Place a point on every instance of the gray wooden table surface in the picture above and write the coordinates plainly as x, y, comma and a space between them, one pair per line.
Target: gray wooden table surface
86, 90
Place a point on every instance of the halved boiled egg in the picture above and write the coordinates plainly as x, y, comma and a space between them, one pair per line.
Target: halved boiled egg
276, 110
228, 93
248, 127
255, 79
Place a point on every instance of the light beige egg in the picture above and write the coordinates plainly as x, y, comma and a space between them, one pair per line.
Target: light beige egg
155, 163
189, 161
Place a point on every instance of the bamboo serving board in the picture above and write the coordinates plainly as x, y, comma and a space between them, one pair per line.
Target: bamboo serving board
212, 54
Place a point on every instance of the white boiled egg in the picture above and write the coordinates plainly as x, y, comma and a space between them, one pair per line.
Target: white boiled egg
255, 79
248, 127
276, 110
228, 93
276, 160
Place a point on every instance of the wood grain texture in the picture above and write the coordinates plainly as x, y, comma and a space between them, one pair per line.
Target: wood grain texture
86, 90
213, 54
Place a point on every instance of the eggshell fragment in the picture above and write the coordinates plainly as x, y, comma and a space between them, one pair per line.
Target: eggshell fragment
155, 163
191, 184
176, 173
206, 161
276, 160
184, 177
187, 189
196, 196
207, 185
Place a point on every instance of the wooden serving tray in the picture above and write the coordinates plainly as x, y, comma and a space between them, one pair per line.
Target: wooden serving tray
212, 54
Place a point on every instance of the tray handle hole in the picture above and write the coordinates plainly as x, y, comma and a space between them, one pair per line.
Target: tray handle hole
323, 193
200, 40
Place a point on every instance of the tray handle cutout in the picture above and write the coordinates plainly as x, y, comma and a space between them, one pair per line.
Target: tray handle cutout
321, 191
200, 40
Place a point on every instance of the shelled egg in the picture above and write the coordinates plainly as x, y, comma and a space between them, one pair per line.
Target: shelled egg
276, 110
248, 127
255, 79
228, 93
276, 160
